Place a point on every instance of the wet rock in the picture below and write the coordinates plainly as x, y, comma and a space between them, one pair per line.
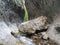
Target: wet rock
9, 19
25, 40
6, 38
5, 35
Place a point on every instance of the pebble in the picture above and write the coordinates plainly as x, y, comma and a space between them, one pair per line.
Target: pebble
44, 35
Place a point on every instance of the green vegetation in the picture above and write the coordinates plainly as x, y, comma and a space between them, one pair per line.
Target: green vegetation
26, 15
21, 3
26, 12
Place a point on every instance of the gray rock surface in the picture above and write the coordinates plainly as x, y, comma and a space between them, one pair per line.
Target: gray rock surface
5, 35
9, 11
6, 38
9, 19
54, 30
48, 8
10, 16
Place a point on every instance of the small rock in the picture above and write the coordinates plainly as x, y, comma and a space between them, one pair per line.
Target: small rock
44, 35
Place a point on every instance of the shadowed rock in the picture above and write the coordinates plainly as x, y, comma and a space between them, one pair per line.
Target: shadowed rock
48, 8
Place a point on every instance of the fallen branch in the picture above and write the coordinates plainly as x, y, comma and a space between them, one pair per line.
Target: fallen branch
33, 25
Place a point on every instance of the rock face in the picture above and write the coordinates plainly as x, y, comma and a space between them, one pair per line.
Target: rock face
5, 35
47, 8
54, 30
9, 18
50, 9
10, 11
6, 38
12, 15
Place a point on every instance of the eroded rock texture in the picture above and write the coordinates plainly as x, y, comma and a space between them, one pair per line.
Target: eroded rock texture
50, 9
31, 26
12, 15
